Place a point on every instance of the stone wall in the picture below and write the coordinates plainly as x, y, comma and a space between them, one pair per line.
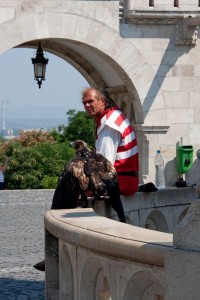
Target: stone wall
162, 210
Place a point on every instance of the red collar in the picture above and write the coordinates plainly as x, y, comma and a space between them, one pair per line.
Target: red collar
98, 120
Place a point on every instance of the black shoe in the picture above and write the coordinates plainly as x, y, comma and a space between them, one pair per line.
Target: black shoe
40, 266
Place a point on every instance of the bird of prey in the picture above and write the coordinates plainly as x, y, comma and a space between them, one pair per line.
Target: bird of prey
90, 174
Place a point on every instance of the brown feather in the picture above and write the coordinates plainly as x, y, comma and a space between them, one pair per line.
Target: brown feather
89, 170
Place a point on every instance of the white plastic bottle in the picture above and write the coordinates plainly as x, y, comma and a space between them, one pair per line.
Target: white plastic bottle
160, 175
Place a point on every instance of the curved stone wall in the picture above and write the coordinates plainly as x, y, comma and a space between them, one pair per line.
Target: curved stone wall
162, 210
103, 259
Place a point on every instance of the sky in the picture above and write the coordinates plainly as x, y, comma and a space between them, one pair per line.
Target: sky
21, 96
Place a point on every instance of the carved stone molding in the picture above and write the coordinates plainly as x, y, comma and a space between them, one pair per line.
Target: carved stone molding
186, 23
187, 31
151, 129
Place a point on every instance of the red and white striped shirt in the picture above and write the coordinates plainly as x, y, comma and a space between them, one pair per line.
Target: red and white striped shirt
117, 142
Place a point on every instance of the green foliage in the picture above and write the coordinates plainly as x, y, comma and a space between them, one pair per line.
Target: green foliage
35, 162
81, 127
49, 182
35, 167
37, 158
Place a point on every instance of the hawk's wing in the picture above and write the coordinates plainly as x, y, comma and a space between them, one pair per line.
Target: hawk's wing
106, 168
90, 171
75, 174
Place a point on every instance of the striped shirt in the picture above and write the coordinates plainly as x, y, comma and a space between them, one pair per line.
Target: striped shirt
117, 142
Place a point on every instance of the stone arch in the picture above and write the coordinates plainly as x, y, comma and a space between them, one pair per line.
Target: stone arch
144, 286
156, 221
66, 281
120, 56
182, 215
94, 281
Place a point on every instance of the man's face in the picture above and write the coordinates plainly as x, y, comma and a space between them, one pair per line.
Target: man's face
93, 104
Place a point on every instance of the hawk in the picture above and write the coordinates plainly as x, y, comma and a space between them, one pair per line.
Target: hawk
90, 174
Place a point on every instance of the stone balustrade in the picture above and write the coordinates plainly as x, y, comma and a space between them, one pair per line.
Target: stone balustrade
162, 210
92, 257
162, 5
88, 254
183, 14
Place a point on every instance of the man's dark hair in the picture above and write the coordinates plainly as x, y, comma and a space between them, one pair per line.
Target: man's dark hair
109, 102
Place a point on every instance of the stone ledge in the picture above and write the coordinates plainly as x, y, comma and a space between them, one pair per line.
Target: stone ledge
83, 228
186, 23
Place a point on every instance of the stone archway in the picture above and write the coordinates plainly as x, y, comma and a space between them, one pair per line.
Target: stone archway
144, 285
94, 281
112, 62
101, 55
156, 221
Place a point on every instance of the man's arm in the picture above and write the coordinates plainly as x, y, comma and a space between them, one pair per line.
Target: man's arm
108, 142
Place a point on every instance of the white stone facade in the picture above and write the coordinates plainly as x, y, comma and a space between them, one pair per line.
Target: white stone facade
145, 53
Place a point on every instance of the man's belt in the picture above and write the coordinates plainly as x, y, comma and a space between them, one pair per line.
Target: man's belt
130, 173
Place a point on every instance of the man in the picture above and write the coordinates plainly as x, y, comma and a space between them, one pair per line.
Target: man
116, 141
115, 137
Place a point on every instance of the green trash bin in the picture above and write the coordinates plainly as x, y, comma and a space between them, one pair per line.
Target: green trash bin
184, 158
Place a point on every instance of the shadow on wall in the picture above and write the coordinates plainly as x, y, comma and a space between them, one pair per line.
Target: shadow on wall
168, 61
171, 173
192, 177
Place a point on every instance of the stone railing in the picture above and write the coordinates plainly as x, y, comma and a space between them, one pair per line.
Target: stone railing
183, 14
87, 253
172, 6
162, 210
92, 257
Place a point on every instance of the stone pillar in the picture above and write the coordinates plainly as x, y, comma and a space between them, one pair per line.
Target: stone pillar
51, 267
124, 101
182, 265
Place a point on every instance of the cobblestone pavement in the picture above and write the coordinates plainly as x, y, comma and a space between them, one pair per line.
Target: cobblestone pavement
22, 245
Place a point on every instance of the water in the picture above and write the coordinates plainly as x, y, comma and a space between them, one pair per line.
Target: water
160, 177
34, 123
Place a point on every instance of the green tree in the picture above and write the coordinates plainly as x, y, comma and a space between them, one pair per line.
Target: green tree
80, 127
35, 160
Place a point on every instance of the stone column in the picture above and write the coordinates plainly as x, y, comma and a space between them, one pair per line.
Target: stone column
51, 266
182, 265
